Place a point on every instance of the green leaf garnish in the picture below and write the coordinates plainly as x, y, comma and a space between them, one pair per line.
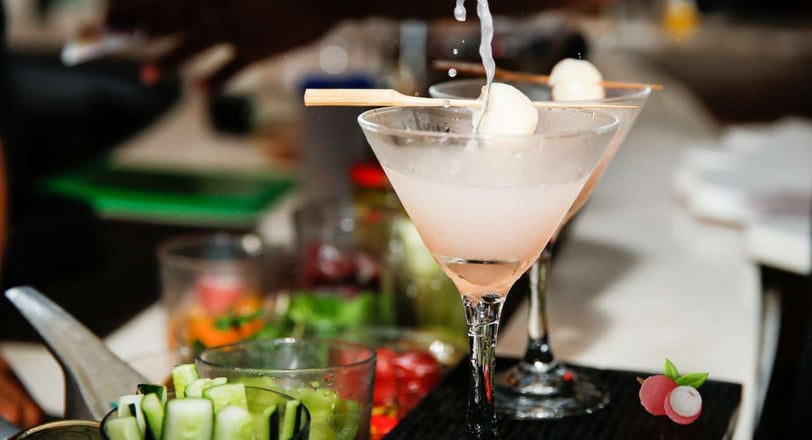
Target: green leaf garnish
692, 379
671, 370
248, 318
223, 323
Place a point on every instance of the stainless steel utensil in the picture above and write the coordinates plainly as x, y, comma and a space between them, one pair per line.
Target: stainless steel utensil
94, 376
7, 429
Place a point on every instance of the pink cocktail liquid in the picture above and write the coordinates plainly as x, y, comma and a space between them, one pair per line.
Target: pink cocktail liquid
483, 236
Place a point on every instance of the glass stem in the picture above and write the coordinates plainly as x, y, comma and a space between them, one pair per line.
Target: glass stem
538, 352
483, 325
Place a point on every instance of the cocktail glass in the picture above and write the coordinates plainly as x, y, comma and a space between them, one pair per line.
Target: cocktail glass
540, 386
485, 206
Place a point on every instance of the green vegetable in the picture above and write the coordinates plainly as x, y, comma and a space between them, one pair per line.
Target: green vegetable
148, 388
195, 387
188, 419
327, 413
327, 314
227, 394
183, 375
225, 411
314, 314
266, 424
233, 423
130, 405
348, 420
153, 410
331, 417
293, 413
123, 428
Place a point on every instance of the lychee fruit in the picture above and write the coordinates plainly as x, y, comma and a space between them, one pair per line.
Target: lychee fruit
653, 392
683, 404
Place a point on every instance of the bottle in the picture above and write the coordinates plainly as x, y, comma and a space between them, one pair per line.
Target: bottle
376, 205
376, 209
680, 19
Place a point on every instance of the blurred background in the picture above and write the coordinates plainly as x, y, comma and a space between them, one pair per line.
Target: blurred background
107, 163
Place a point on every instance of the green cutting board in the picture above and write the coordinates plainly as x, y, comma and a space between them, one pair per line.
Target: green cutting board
173, 195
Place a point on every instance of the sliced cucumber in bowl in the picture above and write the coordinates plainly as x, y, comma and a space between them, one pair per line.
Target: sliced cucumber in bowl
223, 411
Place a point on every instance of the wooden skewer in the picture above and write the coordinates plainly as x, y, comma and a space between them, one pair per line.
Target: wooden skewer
511, 75
390, 97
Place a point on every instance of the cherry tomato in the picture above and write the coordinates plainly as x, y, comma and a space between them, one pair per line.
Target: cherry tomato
216, 293
381, 424
385, 392
417, 373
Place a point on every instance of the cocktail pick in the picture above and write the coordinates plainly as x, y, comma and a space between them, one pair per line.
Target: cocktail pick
390, 97
511, 75
94, 376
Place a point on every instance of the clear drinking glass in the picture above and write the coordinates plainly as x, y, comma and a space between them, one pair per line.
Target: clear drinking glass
333, 379
540, 386
211, 279
485, 206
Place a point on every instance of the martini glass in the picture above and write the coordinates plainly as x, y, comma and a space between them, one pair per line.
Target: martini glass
540, 386
485, 206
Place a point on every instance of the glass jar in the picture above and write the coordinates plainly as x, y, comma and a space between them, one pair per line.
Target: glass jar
376, 205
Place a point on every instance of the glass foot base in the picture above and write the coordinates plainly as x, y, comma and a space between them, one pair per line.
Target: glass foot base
529, 392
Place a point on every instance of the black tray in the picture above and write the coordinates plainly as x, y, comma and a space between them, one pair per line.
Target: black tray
441, 414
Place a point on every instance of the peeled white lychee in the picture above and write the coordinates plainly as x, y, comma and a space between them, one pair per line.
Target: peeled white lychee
509, 112
683, 404
571, 69
577, 91
576, 80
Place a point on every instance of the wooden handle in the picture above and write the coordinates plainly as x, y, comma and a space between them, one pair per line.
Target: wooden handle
510, 75
390, 97
377, 98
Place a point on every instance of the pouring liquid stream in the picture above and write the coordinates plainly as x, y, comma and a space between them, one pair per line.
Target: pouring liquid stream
485, 48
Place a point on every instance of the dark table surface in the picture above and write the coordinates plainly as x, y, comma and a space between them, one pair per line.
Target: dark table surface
441, 414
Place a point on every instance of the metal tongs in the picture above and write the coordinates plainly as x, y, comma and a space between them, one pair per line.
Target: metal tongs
94, 376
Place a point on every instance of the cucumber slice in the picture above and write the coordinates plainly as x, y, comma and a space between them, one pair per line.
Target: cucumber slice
130, 405
227, 394
233, 423
122, 428
183, 375
348, 418
258, 382
188, 419
150, 388
218, 381
263, 407
266, 423
195, 387
331, 417
291, 420
153, 411
323, 405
